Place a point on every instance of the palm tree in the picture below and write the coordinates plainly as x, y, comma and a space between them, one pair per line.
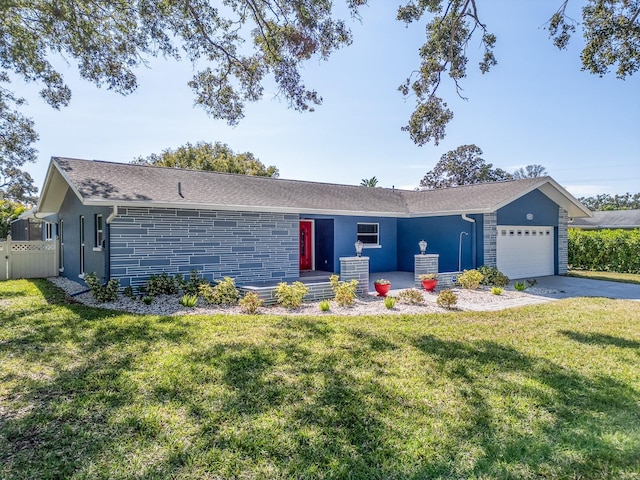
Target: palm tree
369, 182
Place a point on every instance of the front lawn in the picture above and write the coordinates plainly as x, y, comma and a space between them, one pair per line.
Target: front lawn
610, 276
547, 391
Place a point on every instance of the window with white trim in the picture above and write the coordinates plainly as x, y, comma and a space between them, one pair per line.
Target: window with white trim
369, 234
48, 232
82, 246
99, 231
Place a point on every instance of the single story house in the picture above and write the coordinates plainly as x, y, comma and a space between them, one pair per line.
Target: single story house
128, 221
607, 220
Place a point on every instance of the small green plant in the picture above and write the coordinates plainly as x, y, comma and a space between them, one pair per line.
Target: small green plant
496, 290
161, 284
447, 299
428, 276
189, 300
324, 306
250, 303
102, 293
345, 292
128, 292
492, 276
520, 286
382, 281
411, 295
191, 285
470, 279
147, 300
223, 293
389, 302
290, 296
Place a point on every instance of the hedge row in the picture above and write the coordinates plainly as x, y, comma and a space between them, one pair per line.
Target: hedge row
605, 250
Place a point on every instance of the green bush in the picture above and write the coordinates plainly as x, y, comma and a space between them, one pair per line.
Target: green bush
147, 300
345, 292
128, 292
102, 293
250, 303
605, 250
520, 286
447, 299
411, 295
223, 293
191, 286
496, 290
189, 300
161, 284
324, 306
389, 302
290, 296
493, 277
470, 279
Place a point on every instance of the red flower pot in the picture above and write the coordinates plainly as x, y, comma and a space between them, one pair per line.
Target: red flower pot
429, 284
382, 288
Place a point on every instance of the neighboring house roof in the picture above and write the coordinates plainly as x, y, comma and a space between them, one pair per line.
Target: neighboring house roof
121, 184
609, 219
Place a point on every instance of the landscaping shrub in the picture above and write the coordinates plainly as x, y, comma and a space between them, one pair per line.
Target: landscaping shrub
389, 302
520, 286
128, 292
189, 300
290, 296
345, 292
496, 290
102, 293
470, 279
605, 250
324, 306
411, 295
493, 277
250, 303
447, 299
191, 286
223, 293
161, 284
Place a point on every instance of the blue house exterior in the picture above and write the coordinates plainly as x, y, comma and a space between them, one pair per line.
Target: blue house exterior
130, 221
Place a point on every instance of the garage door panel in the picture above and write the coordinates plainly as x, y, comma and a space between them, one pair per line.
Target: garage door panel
525, 252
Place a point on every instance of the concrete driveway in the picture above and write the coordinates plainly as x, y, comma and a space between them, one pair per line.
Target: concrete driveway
565, 287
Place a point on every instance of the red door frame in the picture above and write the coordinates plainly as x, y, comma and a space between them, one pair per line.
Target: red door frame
306, 245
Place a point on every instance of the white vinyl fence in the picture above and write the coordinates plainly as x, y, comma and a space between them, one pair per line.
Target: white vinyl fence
32, 259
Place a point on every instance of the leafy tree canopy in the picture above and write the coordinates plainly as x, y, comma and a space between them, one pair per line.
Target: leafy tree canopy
9, 211
530, 171
369, 182
235, 44
216, 157
605, 201
462, 166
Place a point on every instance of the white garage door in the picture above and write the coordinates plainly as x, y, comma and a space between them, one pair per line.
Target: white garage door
525, 252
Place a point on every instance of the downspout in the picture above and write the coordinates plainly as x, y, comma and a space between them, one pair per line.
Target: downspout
107, 253
474, 254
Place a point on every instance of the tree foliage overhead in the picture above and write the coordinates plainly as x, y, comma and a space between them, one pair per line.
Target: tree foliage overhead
369, 182
462, 166
234, 45
604, 201
216, 157
530, 171
9, 211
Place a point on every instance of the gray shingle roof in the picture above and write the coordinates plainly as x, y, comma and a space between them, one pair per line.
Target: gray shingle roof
99, 182
609, 219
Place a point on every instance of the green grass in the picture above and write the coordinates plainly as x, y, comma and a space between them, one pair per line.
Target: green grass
610, 276
550, 391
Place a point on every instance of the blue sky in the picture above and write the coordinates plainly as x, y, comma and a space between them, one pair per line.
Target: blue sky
535, 106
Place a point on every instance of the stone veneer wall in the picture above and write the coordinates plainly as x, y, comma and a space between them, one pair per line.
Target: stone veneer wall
490, 238
563, 241
317, 291
250, 247
427, 263
356, 268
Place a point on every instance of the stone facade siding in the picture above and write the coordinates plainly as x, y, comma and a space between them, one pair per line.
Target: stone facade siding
490, 236
563, 241
445, 280
356, 268
317, 291
427, 263
250, 247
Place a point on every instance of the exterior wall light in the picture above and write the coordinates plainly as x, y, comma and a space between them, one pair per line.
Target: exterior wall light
423, 247
359, 246
529, 216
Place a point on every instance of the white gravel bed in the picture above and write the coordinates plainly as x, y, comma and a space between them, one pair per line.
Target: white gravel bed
472, 300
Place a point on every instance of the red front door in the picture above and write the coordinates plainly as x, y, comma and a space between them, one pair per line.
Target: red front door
306, 256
